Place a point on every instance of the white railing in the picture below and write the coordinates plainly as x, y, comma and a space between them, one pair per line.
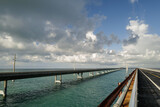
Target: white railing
133, 100
155, 70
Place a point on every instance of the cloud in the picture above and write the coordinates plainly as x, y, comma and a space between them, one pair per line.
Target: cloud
131, 40
91, 36
141, 48
136, 29
54, 33
51, 31
108, 40
133, 1
6, 41
26, 19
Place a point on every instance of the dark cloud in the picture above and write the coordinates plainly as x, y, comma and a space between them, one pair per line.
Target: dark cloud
25, 19
131, 40
106, 40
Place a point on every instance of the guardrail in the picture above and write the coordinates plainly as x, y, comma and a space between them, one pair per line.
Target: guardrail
133, 100
155, 70
111, 98
121, 98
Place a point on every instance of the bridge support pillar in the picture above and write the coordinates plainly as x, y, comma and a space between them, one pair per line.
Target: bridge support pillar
97, 73
102, 72
5, 88
79, 76
60, 79
91, 74
4, 91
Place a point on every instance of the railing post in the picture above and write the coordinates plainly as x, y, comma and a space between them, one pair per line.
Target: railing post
120, 91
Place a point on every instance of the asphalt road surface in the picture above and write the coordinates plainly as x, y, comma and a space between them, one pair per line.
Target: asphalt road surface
148, 88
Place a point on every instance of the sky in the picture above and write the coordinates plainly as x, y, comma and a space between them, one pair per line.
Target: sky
79, 33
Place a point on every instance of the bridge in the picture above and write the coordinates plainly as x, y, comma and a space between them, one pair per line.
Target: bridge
5, 76
141, 88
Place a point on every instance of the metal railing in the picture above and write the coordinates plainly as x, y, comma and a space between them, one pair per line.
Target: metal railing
133, 100
121, 98
155, 70
111, 98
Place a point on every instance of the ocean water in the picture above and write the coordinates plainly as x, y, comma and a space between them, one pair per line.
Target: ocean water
73, 92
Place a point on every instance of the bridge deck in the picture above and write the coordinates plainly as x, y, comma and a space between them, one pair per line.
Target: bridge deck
23, 75
148, 93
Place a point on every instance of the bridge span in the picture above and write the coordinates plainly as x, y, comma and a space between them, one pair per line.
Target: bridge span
5, 76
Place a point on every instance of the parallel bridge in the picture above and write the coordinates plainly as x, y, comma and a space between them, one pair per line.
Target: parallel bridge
5, 76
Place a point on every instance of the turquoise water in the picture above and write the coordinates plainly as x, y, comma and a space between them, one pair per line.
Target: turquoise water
43, 92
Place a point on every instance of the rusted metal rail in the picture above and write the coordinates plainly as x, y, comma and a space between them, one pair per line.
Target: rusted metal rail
110, 99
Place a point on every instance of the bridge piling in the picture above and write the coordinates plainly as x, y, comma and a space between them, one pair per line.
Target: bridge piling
4, 91
5, 88
60, 79
91, 74
79, 76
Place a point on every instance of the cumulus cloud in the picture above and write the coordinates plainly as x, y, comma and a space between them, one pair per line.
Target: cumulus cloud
6, 41
141, 47
54, 32
50, 31
136, 29
25, 20
91, 36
